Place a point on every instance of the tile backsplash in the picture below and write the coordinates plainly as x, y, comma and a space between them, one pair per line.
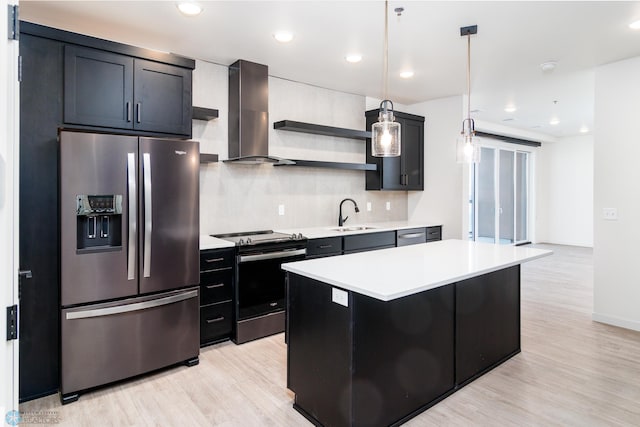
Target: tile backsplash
235, 197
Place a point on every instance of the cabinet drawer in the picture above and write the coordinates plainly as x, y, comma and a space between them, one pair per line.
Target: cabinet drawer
369, 241
434, 233
216, 286
215, 322
411, 236
324, 247
217, 260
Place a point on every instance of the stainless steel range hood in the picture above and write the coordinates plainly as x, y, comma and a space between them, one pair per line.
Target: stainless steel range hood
249, 115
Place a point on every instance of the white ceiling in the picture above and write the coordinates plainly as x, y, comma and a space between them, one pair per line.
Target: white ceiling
514, 38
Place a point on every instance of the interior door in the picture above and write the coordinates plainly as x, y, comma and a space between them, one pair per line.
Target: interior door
169, 214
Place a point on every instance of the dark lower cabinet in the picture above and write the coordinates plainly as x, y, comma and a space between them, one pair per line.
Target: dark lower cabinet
327, 246
360, 361
371, 363
434, 233
368, 241
487, 322
217, 278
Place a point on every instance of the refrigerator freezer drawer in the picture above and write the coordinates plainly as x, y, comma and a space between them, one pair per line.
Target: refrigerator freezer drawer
107, 342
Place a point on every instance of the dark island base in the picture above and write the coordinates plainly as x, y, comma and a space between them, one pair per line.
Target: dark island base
379, 363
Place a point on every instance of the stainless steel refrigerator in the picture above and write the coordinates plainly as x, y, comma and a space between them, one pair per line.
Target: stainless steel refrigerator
129, 212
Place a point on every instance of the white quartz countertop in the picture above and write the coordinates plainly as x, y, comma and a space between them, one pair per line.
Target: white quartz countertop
208, 242
392, 273
376, 227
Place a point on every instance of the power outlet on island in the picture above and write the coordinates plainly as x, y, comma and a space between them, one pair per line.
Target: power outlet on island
388, 206
610, 214
281, 210
368, 206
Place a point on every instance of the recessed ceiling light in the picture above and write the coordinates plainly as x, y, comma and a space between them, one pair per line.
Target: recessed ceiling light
508, 119
548, 66
584, 129
353, 57
406, 74
510, 109
283, 36
554, 121
189, 8
635, 25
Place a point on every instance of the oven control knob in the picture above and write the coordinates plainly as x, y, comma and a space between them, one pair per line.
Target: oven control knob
248, 240
300, 236
241, 242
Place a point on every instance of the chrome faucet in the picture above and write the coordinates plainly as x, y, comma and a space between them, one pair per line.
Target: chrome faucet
341, 220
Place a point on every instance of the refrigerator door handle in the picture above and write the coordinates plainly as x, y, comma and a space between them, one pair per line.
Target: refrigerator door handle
133, 215
119, 309
148, 225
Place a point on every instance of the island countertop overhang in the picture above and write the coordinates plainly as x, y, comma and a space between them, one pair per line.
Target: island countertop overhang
388, 274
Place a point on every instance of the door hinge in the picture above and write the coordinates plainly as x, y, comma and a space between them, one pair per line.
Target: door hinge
12, 323
14, 23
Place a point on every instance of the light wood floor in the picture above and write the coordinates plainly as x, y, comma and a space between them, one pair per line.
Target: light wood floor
571, 372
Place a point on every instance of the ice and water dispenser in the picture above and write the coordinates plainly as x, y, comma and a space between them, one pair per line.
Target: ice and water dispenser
99, 219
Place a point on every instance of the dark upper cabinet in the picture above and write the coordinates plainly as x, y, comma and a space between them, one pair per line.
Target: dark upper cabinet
405, 172
110, 90
162, 96
98, 88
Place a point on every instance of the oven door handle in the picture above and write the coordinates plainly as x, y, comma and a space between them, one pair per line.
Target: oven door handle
273, 255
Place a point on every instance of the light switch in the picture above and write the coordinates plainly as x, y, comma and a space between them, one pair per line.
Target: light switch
388, 206
280, 209
610, 214
368, 206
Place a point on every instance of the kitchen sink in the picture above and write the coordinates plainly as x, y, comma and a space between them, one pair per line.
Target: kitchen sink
354, 228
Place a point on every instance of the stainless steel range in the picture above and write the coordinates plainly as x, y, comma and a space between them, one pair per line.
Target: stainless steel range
260, 282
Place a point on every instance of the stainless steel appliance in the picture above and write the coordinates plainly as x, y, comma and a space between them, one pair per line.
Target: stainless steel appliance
129, 213
260, 282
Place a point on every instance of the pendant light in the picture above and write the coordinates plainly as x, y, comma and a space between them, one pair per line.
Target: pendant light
385, 134
468, 144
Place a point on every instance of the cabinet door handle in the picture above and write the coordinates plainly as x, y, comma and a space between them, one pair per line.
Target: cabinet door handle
410, 235
128, 111
215, 320
209, 260
325, 246
217, 285
139, 112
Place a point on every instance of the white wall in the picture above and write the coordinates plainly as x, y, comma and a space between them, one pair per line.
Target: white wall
617, 185
242, 198
566, 191
9, 142
442, 201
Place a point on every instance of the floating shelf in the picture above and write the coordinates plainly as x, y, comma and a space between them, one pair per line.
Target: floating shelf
200, 113
208, 158
294, 126
333, 165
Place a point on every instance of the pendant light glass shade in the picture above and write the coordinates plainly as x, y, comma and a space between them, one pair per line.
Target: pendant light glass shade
385, 134
468, 144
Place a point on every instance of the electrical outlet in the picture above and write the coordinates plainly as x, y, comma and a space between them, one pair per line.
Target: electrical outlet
368, 206
280, 209
388, 206
610, 214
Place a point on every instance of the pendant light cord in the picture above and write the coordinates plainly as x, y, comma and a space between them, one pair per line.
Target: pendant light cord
385, 66
469, 77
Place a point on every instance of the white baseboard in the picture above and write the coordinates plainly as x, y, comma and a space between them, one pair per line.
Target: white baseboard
616, 321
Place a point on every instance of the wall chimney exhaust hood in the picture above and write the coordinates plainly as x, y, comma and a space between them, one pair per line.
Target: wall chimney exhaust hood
249, 115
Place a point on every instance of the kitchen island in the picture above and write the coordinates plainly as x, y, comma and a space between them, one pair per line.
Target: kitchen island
375, 338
